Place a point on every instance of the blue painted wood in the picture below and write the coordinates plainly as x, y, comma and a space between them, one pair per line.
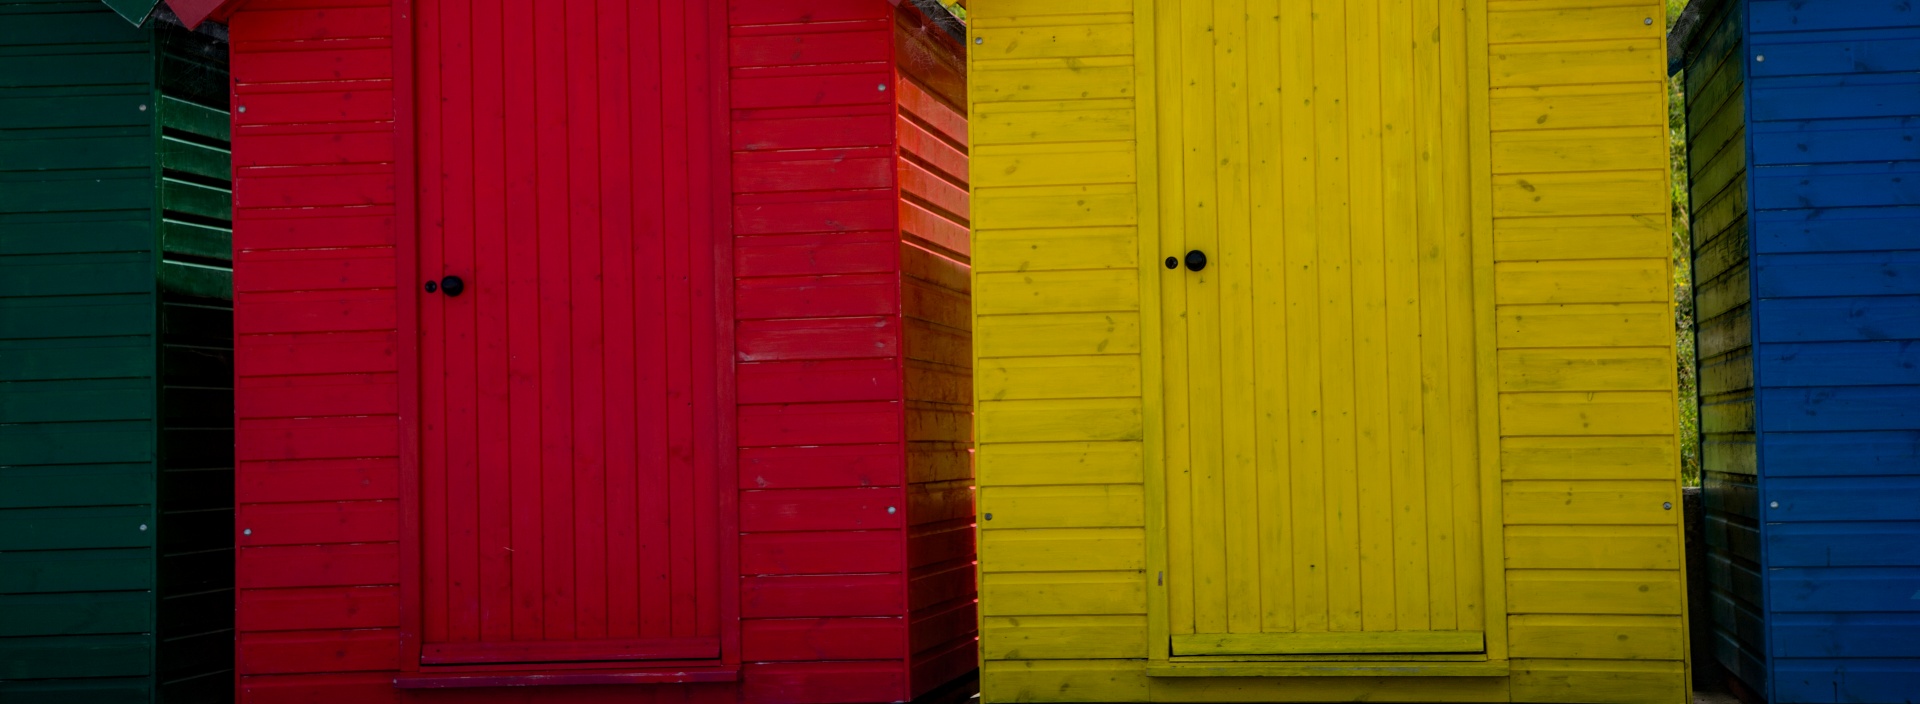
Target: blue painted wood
1816, 559
1860, 453
1834, 229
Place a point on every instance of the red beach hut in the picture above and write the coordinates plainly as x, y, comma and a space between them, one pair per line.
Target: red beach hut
600, 349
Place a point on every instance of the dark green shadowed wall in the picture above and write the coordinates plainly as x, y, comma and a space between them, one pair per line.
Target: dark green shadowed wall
115, 359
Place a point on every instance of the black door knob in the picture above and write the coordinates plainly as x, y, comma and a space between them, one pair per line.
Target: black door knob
452, 285
1196, 260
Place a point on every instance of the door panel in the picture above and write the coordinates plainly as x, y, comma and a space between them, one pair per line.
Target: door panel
568, 396
1323, 477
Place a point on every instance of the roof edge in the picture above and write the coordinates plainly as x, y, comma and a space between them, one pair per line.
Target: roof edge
1687, 28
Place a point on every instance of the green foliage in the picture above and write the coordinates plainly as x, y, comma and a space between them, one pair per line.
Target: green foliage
1682, 253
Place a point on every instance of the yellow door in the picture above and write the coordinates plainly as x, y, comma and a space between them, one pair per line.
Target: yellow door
1322, 461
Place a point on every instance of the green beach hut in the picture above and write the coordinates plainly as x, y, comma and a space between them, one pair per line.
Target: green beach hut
116, 361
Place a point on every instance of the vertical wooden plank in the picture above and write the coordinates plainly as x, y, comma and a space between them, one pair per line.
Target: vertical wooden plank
1434, 307
1235, 283
650, 296
1491, 552
433, 417
1171, 109
490, 288
1266, 259
708, 31
523, 323
1150, 98
408, 237
677, 95
1333, 197
556, 329
462, 455
1199, 158
585, 277
617, 195
1462, 345
1370, 343
1407, 453
1304, 370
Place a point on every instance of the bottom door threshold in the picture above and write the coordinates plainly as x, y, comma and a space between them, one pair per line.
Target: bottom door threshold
1329, 669
542, 678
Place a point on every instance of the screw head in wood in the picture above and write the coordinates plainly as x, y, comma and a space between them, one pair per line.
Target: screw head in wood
143, 526
979, 40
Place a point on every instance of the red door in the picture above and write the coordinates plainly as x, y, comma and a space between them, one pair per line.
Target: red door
568, 378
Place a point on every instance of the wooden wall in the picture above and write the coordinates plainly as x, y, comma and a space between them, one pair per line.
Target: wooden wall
77, 364
1832, 96
115, 360
1717, 189
828, 415
1564, 116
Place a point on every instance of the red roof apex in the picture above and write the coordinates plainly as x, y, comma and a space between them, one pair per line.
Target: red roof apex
193, 12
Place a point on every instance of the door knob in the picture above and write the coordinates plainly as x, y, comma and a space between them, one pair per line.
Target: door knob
1196, 260
452, 286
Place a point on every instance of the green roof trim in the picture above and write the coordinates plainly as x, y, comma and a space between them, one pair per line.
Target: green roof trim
135, 11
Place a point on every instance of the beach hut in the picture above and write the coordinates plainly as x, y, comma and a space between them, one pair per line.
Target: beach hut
116, 440
1803, 127
596, 350
1325, 352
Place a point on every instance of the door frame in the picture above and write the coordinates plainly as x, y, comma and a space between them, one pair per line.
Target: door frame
1150, 151
724, 448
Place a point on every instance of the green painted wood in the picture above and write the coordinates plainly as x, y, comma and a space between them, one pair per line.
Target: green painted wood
197, 280
24, 360
83, 528
83, 570
71, 400
75, 614
177, 114
76, 485
178, 196
76, 656
73, 235
191, 239
116, 438
181, 156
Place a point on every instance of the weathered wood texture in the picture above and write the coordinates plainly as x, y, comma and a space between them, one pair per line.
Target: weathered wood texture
115, 365
1814, 517
1544, 216
853, 511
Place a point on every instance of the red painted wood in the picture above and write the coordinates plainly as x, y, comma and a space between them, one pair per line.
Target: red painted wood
574, 304
665, 234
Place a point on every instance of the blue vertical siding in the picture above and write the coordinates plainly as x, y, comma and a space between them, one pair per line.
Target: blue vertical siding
1834, 149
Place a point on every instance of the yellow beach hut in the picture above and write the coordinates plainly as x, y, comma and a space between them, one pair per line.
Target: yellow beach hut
1325, 351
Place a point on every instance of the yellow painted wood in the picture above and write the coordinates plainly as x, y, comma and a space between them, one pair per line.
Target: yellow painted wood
1329, 642
1630, 457
1063, 681
1573, 238
1017, 507
1595, 591
1062, 593
1052, 122
1052, 334
1617, 368
1352, 688
1056, 249
1355, 172
1064, 637
1057, 377
1576, 106
1018, 464
1597, 637
1582, 681
1075, 549
1058, 164
1613, 547
1606, 503
1369, 669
